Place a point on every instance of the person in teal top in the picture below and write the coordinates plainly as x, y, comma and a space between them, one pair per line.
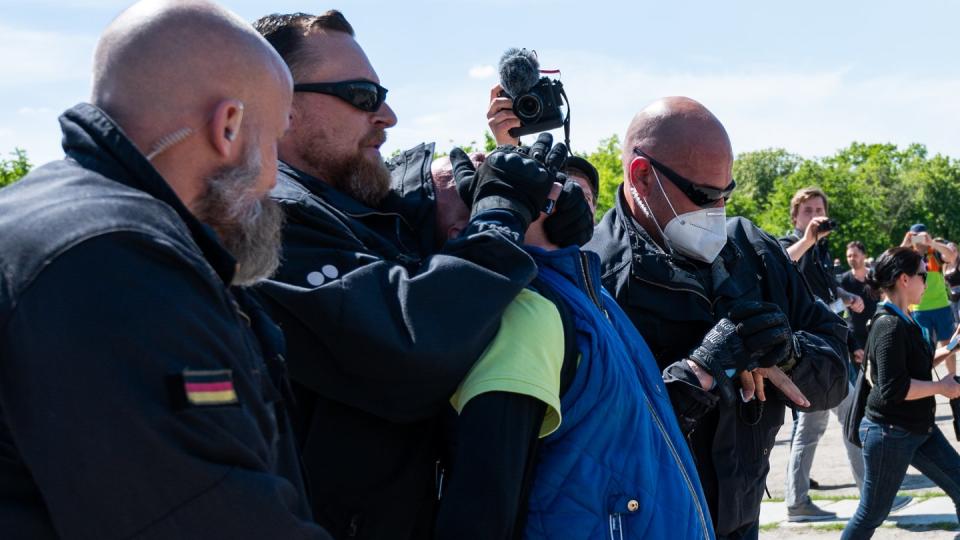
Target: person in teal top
933, 312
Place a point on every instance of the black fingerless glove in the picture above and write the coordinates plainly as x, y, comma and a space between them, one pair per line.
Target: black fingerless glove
720, 350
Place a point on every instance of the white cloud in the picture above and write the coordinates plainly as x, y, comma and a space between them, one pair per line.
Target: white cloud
482, 72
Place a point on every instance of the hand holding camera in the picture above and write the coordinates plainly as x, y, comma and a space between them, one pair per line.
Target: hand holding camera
819, 227
500, 117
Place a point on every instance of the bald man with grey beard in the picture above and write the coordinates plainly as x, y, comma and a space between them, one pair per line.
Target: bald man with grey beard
142, 389
726, 314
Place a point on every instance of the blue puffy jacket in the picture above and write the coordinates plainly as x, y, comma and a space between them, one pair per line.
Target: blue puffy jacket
618, 466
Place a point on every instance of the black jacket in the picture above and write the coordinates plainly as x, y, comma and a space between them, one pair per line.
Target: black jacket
379, 337
897, 352
667, 300
113, 298
816, 265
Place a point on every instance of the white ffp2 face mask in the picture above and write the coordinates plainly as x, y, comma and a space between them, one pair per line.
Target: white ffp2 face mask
700, 234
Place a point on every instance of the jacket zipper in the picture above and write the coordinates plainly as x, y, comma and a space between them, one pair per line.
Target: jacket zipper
589, 283
677, 289
683, 470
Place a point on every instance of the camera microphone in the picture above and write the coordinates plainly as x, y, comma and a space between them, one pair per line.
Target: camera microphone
519, 71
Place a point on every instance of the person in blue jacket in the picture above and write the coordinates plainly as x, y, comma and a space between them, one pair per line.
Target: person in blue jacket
565, 428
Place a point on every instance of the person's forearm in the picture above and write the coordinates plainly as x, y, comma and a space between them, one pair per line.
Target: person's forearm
847, 297
797, 250
922, 389
941, 354
949, 254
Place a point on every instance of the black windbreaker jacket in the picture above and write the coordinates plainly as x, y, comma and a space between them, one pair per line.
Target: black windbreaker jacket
673, 311
379, 336
119, 344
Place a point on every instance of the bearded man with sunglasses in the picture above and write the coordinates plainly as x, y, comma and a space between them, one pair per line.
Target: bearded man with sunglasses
380, 329
719, 304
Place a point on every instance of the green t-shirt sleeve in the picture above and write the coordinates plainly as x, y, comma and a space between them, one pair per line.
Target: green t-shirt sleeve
524, 357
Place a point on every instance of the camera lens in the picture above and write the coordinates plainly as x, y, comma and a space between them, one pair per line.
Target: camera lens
528, 107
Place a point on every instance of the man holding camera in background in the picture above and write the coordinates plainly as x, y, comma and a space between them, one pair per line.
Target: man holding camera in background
933, 312
808, 247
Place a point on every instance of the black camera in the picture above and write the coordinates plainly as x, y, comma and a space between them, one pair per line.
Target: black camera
537, 100
827, 225
539, 108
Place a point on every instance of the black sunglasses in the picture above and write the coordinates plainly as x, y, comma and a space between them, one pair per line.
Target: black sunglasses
923, 276
365, 95
699, 194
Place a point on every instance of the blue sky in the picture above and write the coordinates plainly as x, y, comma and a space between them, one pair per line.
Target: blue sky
806, 76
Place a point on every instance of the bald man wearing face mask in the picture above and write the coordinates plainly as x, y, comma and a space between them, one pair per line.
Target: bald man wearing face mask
141, 387
726, 314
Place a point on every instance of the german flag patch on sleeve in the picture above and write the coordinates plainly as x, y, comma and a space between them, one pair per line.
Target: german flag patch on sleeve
209, 387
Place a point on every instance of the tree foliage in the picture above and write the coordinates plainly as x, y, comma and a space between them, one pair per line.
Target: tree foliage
876, 191
15, 168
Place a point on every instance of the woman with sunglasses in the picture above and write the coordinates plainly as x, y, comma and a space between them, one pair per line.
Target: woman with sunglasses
898, 428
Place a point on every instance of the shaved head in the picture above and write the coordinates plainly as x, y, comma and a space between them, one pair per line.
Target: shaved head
679, 132
163, 64
206, 99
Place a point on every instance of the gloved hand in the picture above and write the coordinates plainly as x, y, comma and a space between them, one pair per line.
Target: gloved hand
720, 350
509, 178
571, 222
765, 332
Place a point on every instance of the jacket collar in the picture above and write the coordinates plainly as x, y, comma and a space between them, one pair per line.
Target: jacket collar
97, 143
581, 268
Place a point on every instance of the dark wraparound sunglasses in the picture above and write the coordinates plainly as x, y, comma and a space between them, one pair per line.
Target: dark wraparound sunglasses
699, 194
365, 95
923, 276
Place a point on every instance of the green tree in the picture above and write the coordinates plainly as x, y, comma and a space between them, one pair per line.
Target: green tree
606, 158
12, 170
757, 174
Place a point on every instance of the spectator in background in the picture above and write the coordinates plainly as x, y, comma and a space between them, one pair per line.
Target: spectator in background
899, 426
933, 312
854, 281
807, 246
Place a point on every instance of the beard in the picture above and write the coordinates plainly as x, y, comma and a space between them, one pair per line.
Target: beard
249, 228
366, 180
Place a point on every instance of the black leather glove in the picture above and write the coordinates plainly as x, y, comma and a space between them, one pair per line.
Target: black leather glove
571, 222
765, 332
552, 156
508, 179
722, 349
